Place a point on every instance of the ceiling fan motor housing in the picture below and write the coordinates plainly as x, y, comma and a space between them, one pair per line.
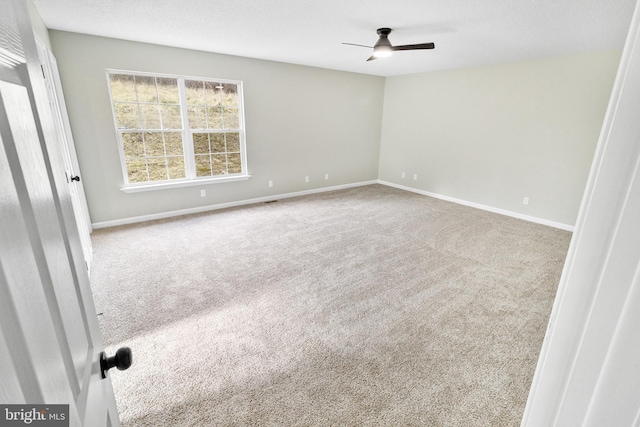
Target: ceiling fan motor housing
382, 47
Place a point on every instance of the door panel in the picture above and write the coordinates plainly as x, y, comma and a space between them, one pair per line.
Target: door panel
71, 328
11, 386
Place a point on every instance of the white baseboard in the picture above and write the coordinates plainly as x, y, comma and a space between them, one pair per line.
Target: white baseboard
162, 215
133, 220
483, 207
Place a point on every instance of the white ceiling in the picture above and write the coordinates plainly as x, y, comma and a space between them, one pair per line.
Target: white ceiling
309, 32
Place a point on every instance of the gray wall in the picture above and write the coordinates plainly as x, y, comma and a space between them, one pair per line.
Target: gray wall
494, 135
489, 135
299, 121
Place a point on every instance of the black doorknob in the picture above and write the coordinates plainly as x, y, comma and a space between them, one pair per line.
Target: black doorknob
122, 360
75, 178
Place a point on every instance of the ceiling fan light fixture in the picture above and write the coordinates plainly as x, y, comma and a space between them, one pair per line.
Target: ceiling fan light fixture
382, 51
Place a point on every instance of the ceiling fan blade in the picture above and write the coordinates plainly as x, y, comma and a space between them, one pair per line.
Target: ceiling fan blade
359, 45
371, 58
414, 46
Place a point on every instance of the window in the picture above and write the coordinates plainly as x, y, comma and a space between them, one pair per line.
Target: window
174, 130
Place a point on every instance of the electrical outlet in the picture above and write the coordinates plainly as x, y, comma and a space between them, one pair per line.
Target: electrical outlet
415, 176
270, 183
525, 201
404, 175
306, 179
326, 176
203, 193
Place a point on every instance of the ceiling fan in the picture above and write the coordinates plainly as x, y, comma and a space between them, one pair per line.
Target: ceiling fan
383, 47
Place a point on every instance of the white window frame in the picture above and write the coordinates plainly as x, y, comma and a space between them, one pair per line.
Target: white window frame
187, 138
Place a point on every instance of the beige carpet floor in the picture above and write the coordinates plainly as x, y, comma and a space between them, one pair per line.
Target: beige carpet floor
368, 306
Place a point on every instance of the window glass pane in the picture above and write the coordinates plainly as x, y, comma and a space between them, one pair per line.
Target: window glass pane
150, 116
201, 143
231, 118
195, 92
132, 144
235, 163
157, 169
214, 115
168, 91
173, 143
219, 164
171, 118
197, 117
176, 167
233, 142
213, 93
154, 144
217, 143
146, 89
137, 170
127, 116
230, 94
123, 88
203, 165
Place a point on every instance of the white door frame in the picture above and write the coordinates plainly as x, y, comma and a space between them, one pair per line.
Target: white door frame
588, 373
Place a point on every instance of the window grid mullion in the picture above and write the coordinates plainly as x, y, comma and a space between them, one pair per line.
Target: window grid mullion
187, 134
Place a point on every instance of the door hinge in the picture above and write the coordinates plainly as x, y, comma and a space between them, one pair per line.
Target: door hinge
42, 68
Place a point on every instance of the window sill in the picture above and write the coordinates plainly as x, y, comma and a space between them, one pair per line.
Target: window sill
178, 184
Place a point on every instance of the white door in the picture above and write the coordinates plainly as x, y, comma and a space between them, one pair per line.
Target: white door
50, 342
52, 82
